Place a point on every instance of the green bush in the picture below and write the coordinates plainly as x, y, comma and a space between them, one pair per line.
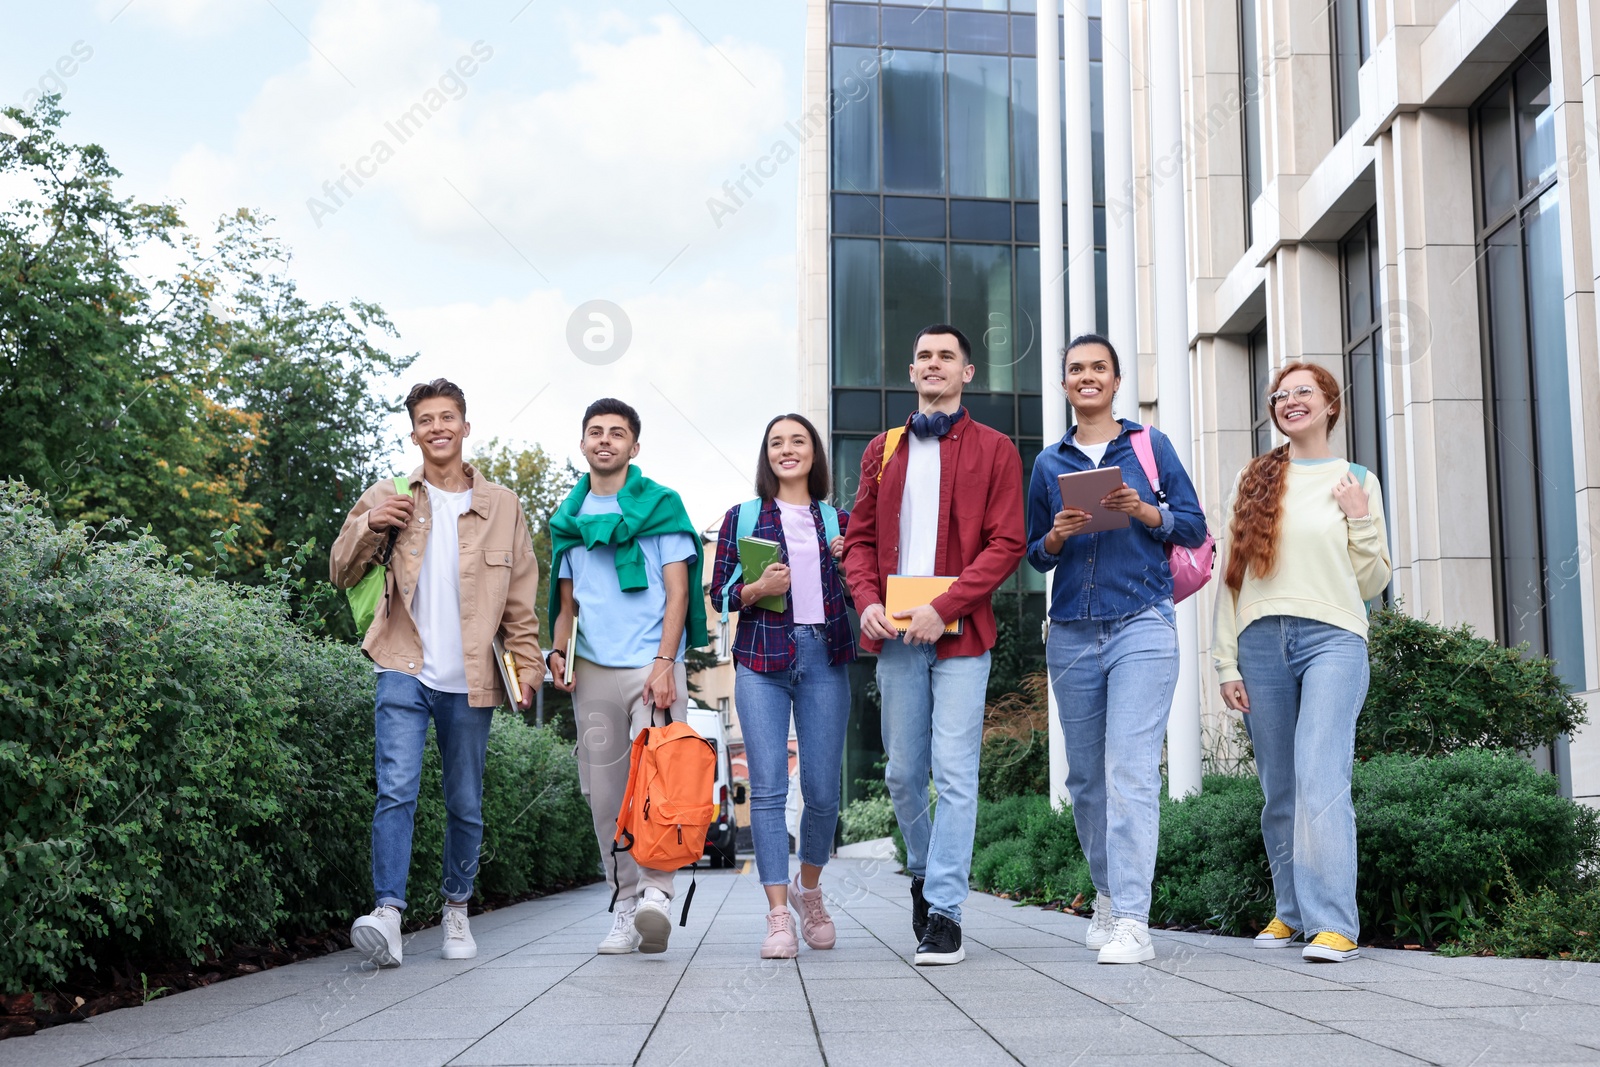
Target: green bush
1014, 766
1027, 850
182, 767
1211, 866
1436, 689
867, 819
1545, 923
1436, 839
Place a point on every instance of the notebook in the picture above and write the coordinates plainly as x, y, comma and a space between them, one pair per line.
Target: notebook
756, 554
903, 592
570, 660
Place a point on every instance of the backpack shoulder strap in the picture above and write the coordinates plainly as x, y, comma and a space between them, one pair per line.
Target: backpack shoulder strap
402, 484
1360, 474
891, 441
1140, 439
830, 520
749, 512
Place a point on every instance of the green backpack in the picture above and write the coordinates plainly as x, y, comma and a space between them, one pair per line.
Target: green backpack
366, 593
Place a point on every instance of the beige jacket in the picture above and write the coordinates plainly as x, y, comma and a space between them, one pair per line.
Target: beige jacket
499, 583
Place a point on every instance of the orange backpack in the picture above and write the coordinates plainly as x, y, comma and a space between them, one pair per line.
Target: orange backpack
667, 807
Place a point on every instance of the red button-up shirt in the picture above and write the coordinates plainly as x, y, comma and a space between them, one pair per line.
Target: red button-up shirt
981, 530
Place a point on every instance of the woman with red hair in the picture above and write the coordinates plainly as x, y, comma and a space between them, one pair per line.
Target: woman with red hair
1306, 548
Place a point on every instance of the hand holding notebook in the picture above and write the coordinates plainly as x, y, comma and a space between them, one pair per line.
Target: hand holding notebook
904, 593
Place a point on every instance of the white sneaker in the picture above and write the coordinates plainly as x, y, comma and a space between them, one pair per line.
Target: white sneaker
1099, 924
1130, 943
377, 936
623, 938
458, 943
652, 918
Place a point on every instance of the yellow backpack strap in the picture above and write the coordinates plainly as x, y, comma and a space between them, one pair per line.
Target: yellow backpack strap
891, 441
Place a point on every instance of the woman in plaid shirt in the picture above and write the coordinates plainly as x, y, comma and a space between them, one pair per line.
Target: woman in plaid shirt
794, 659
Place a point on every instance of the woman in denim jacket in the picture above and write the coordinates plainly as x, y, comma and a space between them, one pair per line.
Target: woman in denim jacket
1113, 642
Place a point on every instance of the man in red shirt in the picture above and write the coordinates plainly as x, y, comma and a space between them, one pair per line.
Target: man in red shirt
948, 502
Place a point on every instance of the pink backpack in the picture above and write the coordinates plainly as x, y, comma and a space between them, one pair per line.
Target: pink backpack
1191, 567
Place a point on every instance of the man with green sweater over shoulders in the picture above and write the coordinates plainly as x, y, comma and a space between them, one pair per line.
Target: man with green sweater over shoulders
627, 561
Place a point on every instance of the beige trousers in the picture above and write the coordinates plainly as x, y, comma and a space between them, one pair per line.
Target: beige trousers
609, 708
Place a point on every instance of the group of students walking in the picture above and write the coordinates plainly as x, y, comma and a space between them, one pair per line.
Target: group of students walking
941, 496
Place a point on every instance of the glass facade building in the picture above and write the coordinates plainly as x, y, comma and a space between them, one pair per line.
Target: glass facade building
933, 216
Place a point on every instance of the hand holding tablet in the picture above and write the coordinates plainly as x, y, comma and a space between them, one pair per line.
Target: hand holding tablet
1084, 492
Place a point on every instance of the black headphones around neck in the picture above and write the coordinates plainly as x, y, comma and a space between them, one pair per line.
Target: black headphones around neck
936, 425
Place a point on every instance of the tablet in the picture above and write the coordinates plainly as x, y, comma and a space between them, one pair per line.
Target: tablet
1084, 491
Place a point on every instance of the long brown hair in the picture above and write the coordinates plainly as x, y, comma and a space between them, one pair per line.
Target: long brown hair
1258, 504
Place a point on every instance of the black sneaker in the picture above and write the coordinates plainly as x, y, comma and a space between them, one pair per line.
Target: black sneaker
919, 910
942, 943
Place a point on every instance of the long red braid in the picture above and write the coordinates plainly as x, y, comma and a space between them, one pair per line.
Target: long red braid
1258, 505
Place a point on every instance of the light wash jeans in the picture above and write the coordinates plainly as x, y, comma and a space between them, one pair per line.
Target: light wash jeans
1306, 681
400, 724
933, 722
819, 694
1114, 681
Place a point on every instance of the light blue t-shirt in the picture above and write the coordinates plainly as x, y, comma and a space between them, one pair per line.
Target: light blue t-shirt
617, 629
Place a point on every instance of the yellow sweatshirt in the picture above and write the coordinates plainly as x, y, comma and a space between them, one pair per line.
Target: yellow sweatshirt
1328, 565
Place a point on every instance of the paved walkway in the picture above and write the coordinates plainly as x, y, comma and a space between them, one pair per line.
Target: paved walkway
1028, 993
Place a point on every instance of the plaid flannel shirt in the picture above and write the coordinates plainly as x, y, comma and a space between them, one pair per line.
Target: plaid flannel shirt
765, 639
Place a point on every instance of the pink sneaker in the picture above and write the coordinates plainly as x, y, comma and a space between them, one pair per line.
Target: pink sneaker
780, 943
816, 925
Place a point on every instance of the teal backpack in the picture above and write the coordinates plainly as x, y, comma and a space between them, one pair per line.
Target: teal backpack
749, 511
366, 593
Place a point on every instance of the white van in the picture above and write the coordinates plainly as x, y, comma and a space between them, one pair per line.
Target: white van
724, 830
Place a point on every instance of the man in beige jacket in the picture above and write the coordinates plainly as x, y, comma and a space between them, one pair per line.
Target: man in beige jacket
461, 570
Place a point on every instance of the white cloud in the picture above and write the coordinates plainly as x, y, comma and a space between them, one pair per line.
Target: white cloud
617, 161
706, 369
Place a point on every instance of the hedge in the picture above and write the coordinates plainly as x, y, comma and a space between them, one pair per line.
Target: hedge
181, 767
1442, 843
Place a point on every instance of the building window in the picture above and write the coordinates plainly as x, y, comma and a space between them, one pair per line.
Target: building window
1529, 420
1260, 381
1349, 52
1363, 345
1250, 94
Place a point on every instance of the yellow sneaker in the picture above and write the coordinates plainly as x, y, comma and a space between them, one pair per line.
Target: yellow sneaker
1278, 934
1329, 947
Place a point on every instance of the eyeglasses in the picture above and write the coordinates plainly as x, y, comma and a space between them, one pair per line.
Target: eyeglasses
1299, 392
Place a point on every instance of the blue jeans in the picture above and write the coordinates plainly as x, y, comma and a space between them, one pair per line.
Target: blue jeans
1306, 682
400, 724
1113, 682
933, 723
819, 693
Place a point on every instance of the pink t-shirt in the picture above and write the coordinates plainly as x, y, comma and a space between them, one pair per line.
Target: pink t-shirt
805, 562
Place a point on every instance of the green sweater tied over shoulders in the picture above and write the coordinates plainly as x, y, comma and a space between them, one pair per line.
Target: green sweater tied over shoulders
649, 509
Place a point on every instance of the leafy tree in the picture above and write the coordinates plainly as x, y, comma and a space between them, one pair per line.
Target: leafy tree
541, 485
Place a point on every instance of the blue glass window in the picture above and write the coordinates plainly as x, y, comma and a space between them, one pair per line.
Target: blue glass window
980, 126
856, 214
855, 119
973, 31
981, 220
913, 122
913, 27
980, 306
913, 216
855, 24
857, 304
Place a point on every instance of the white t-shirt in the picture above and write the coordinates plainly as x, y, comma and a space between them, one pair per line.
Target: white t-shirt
919, 507
436, 608
1096, 453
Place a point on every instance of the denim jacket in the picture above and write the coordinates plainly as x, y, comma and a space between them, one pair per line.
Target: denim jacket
1114, 573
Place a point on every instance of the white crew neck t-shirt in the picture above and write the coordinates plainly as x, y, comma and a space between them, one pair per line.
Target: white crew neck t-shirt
436, 608
1096, 453
919, 508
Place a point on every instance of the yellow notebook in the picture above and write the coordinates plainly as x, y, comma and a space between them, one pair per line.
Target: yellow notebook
903, 592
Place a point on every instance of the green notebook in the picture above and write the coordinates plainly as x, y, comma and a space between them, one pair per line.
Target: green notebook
756, 554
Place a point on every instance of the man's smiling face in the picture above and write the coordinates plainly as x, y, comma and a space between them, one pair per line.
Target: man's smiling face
438, 428
608, 444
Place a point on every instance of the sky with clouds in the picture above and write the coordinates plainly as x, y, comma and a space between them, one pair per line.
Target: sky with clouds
483, 171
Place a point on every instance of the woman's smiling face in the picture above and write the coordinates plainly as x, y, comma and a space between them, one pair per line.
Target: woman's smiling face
1299, 405
1091, 377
